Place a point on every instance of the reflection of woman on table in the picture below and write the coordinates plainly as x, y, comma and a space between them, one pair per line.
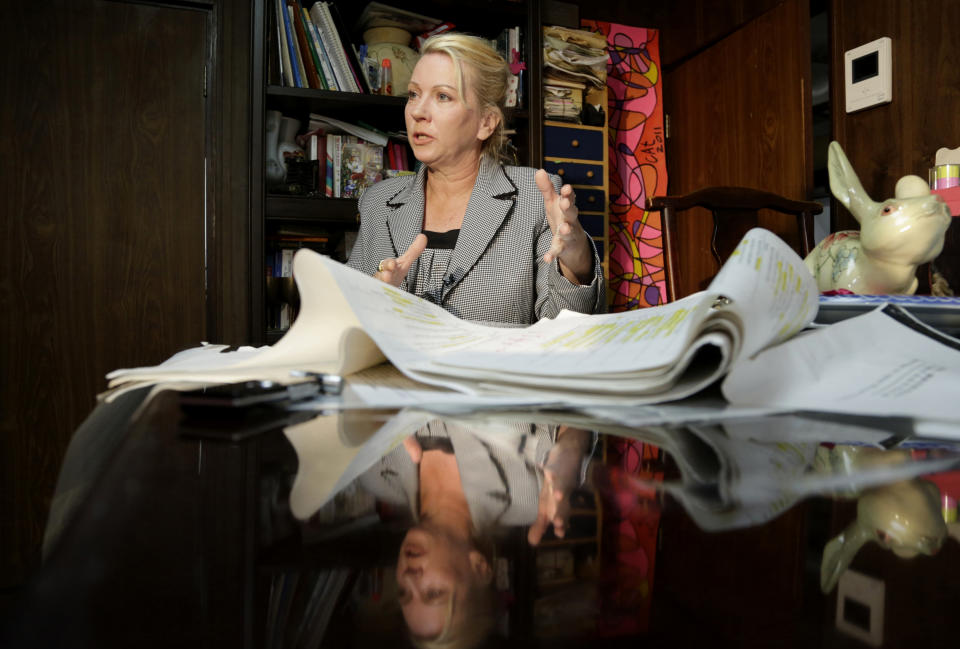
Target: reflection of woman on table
461, 489
486, 241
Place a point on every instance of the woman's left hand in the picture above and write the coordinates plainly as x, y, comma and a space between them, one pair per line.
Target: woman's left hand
570, 243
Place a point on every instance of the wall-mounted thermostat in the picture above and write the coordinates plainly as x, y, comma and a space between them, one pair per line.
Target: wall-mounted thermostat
868, 72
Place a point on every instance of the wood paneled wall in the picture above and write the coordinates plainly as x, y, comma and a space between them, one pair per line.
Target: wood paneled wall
125, 221
687, 26
886, 142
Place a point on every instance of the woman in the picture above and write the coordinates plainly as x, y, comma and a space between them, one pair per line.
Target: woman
488, 242
462, 488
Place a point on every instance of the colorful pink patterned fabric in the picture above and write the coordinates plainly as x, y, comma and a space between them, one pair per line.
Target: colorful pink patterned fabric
637, 164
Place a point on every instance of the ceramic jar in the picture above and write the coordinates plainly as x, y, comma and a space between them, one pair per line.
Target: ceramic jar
393, 43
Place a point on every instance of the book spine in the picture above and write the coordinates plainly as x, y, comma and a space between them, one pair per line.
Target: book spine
326, 55
391, 156
285, 67
337, 161
328, 187
301, 73
303, 45
291, 45
319, 55
344, 77
350, 54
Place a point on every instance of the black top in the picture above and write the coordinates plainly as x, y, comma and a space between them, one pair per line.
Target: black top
442, 240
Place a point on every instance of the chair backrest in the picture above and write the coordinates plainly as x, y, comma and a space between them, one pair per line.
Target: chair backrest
735, 211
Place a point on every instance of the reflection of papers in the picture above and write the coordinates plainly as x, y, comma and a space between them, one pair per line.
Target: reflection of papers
333, 450
384, 386
734, 477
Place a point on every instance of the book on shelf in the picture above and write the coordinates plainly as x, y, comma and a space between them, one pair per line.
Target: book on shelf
306, 55
291, 75
341, 55
323, 59
761, 296
361, 166
300, 72
353, 61
338, 126
332, 142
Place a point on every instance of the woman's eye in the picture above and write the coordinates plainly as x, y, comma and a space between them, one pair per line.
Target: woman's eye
443, 96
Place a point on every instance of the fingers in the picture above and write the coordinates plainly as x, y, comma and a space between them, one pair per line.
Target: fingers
544, 185
558, 243
413, 449
393, 271
537, 530
418, 246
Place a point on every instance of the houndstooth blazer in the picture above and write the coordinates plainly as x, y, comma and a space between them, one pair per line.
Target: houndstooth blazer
496, 273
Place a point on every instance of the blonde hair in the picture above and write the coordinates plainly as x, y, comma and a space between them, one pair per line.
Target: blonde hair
467, 628
488, 79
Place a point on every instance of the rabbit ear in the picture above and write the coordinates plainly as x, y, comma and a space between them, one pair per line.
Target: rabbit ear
839, 552
846, 186
953, 529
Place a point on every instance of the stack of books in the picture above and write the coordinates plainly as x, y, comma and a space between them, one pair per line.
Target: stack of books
313, 50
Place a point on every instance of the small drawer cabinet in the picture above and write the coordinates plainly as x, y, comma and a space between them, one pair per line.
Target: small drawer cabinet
578, 154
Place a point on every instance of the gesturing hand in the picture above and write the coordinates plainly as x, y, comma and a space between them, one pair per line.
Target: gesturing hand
392, 271
553, 509
569, 243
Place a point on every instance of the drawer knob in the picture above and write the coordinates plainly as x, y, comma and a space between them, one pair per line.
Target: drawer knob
560, 171
590, 174
574, 143
592, 199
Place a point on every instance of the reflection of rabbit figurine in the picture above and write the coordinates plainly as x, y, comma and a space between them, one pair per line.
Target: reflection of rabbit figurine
895, 236
905, 516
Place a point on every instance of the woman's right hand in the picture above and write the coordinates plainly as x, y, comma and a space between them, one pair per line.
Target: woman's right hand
394, 270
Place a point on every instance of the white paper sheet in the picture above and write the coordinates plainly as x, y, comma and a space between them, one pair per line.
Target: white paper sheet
871, 365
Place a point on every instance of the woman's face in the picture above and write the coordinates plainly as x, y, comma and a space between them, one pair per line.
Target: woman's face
445, 129
433, 568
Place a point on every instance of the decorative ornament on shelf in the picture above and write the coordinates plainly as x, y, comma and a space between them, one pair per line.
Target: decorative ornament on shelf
392, 43
895, 237
274, 167
288, 147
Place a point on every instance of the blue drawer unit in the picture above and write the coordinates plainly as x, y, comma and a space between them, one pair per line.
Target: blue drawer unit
590, 200
579, 143
576, 173
578, 154
592, 223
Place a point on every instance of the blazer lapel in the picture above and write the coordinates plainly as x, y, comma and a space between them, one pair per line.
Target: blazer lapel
493, 199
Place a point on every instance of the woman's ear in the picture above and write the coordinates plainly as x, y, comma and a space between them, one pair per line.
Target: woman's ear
488, 124
481, 567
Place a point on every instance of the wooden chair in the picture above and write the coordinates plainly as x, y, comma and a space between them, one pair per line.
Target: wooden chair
735, 211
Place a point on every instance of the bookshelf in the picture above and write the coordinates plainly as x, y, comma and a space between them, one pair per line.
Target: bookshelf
338, 217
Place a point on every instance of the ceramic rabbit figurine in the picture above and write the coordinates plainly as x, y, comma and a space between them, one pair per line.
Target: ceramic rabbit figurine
895, 236
905, 516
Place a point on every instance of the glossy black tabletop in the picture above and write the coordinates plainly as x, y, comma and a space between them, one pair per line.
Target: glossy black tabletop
693, 525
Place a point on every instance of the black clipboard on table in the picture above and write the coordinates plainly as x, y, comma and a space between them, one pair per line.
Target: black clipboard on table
941, 313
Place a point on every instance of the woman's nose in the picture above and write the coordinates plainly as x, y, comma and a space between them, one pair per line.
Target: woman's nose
417, 108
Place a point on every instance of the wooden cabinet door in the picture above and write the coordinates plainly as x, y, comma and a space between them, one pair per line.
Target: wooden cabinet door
104, 240
740, 115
